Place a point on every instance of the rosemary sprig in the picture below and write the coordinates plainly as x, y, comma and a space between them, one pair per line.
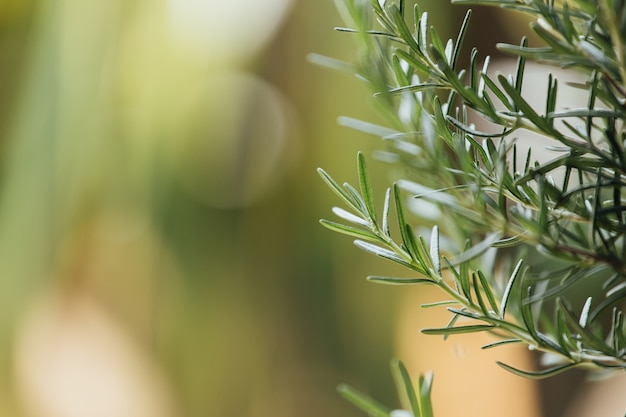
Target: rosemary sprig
474, 178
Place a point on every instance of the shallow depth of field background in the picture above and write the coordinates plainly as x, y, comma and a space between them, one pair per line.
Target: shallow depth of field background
160, 252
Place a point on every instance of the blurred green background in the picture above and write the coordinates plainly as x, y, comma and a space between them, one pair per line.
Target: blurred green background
160, 252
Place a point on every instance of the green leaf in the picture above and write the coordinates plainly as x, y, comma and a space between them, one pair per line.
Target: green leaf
509, 287
587, 338
366, 187
352, 218
437, 48
460, 38
473, 77
383, 253
510, 241
331, 63
463, 280
526, 110
586, 112
501, 342
425, 387
408, 240
459, 329
521, 64
414, 62
546, 373
363, 402
376, 250
617, 331
479, 295
585, 313
564, 337
422, 252
487, 290
493, 87
464, 312
366, 127
383, 19
399, 281
434, 250
531, 326
551, 98
385, 219
349, 230
403, 29
440, 303
354, 194
347, 198
401, 74
414, 88
404, 377
422, 34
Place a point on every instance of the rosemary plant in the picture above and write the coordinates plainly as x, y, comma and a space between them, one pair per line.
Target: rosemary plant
505, 214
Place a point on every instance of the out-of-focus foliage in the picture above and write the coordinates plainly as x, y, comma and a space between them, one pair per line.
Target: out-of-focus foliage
159, 248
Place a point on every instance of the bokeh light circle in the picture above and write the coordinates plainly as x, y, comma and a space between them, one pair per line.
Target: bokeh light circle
233, 139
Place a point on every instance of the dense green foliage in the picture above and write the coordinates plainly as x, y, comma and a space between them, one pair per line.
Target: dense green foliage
510, 213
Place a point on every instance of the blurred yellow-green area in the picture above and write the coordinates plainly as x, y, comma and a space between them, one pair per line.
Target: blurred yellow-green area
160, 252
